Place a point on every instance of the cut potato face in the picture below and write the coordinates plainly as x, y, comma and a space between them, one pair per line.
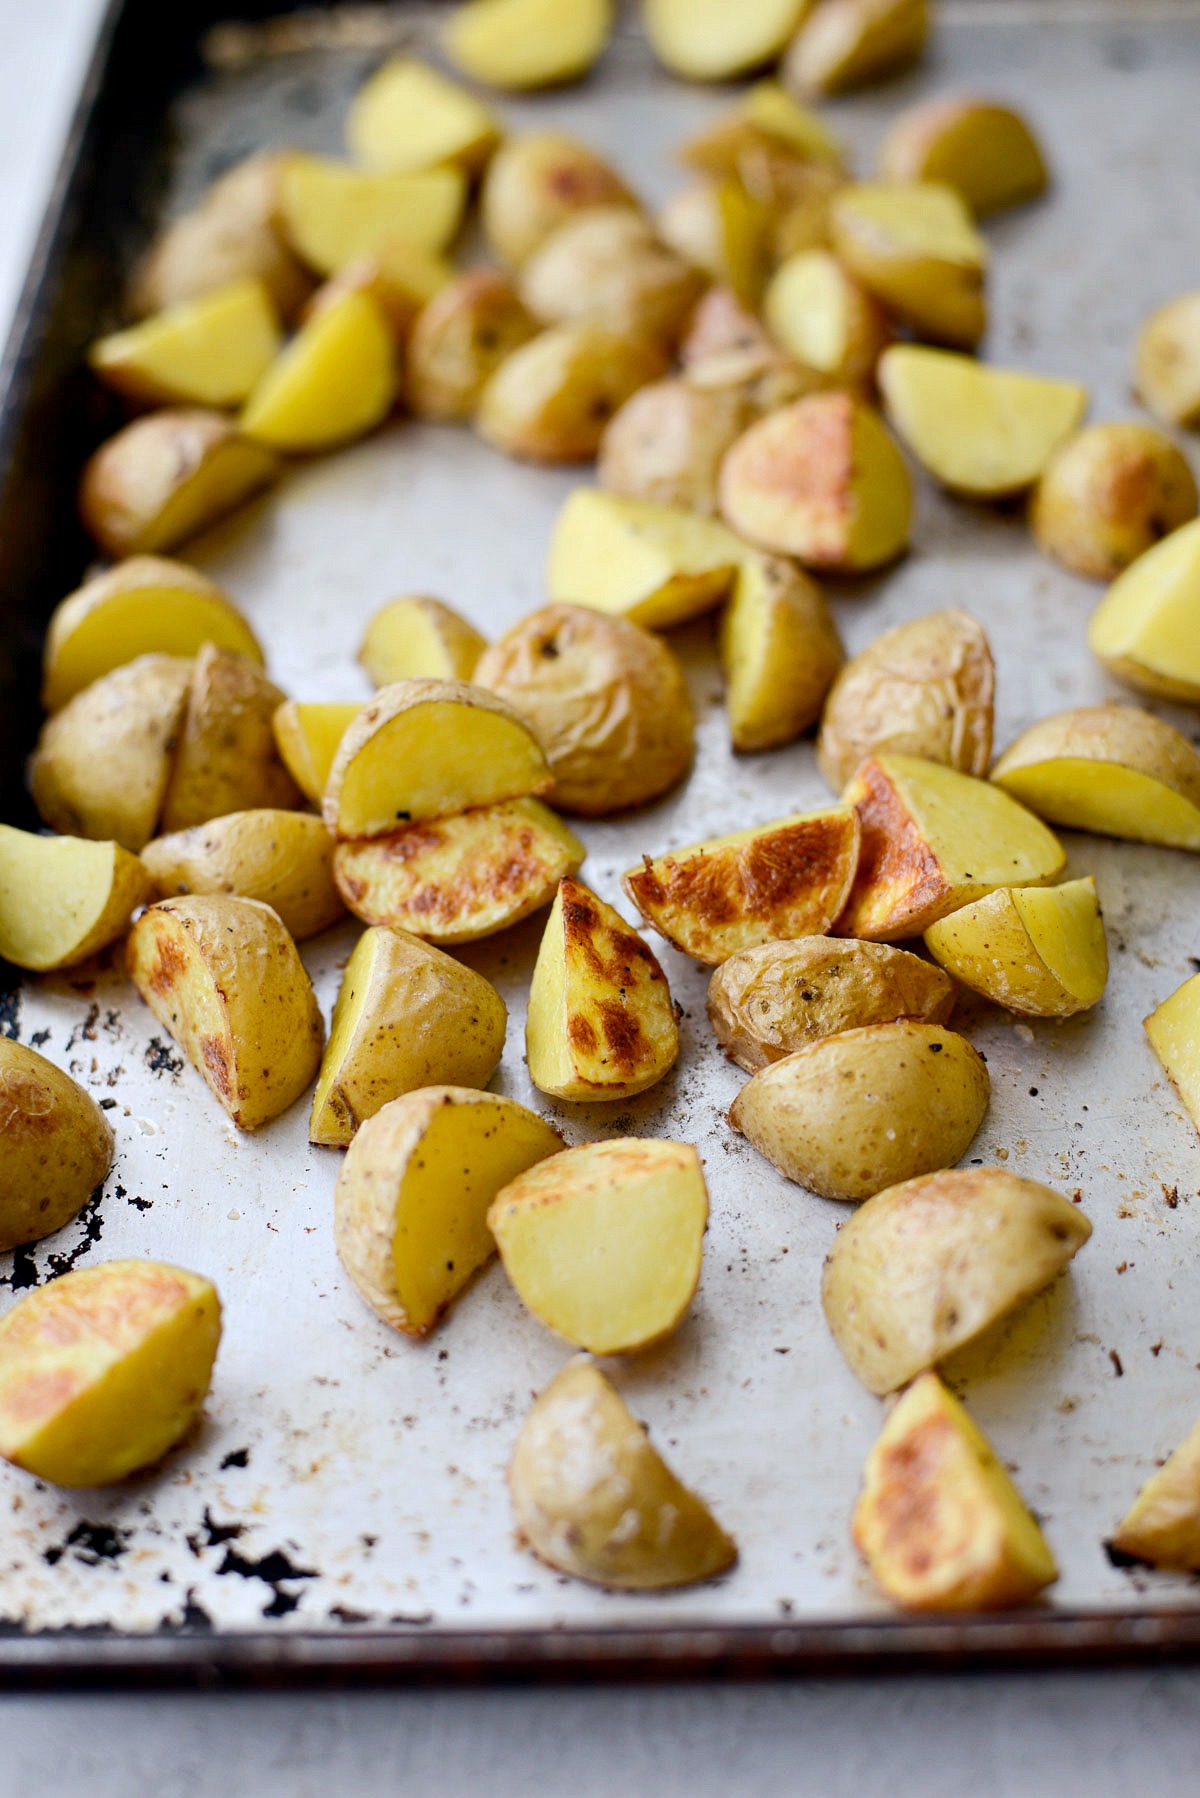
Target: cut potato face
854, 1113
844, 44
524, 44
307, 735
820, 480
536, 181
655, 565
428, 749
785, 879
1110, 769
925, 688
938, 1521
332, 214
605, 265
934, 840
65, 898
418, 638
1146, 629
601, 1024
1040, 951
604, 1242
609, 703
767, 1002
780, 651
56, 1146
399, 279
984, 432
666, 443
222, 975
103, 1370
1174, 1032
913, 245
1167, 361
592, 1498
987, 151
284, 859
718, 227
406, 1016
336, 380
1162, 1526
225, 755
209, 351
708, 40
825, 319
411, 1202
924, 1268
1109, 495
459, 340
407, 116
454, 880
551, 399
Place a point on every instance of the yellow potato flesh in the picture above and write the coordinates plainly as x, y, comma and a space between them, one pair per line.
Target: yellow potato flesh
1174, 1032
780, 652
1146, 629
769, 106
307, 734
415, 638
986, 151
845, 44
64, 898
938, 1520
823, 318
1162, 1526
284, 859
604, 1242
1040, 951
914, 247
332, 214
102, 1371
657, 565
208, 351
336, 380
710, 40
520, 44
1102, 797
986, 432
56, 1146
1167, 361
719, 228
407, 116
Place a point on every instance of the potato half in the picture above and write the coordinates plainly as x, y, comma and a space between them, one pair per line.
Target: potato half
1162, 1526
986, 150
709, 40
411, 1202
408, 116
784, 879
65, 898
915, 247
824, 319
718, 227
284, 859
458, 341
454, 880
854, 1113
605, 265
337, 379
1040, 951
1111, 769
307, 735
600, 1024
938, 1521
924, 1268
56, 1146
844, 44
226, 759
524, 44
223, 976
766, 1002
1167, 361
666, 442
655, 565
331, 213
780, 652
925, 688
406, 1016
933, 840
1145, 629
769, 107
551, 399
1108, 496
207, 351
537, 180
103, 1370
592, 1498
604, 1242
1174, 1032
418, 638
399, 280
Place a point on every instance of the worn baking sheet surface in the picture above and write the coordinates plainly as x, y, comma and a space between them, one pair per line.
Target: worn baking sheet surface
344, 1476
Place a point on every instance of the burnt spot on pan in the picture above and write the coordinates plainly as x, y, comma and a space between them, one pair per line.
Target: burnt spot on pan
90, 1543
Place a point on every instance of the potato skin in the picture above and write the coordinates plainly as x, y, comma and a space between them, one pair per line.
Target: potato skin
607, 265
607, 699
767, 1002
1108, 494
459, 339
551, 399
534, 183
666, 442
283, 858
226, 759
56, 1146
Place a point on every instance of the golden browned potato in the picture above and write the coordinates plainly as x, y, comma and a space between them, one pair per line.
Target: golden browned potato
337, 379
406, 1016
843, 44
655, 565
784, 879
523, 44
719, 228
536, 181
608, 701
938, 1521
63, 899
766, 1002
551, 399
457, 879
605, 266
419, 638
56, 1146
1162, 1526
824, 319
986, 150
226, 759
1174, 1031
924, 1268
710, 40
459, 340
1039, 951
331, 213
207, 351
667, 441
853, 1113
821, 480
925, 688
1167, 361
915, 247
604, 1242
223, 976
1108, 495
933, 840
407, 115
282, 858
164, 477
600, 1024
307, 735
780, 651
788, 181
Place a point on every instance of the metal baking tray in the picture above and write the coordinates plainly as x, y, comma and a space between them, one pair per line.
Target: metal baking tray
342, 1511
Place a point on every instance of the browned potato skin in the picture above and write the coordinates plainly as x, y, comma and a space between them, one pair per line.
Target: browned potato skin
535, 182
607, 699
227, 759
925, 688
765, 1003
666, 443
459, 339
608, 266
1108, 494
283, 858
551, 399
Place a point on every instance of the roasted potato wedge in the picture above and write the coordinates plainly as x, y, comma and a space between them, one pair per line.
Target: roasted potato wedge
337, 379
56, 1146
167, 476
226, 759
666, 443
844, 44
765, 1003
780, 651
938, 1521
282, 858
600, 1024
536, 181
524, 44
418, 638
655, 565
709, 40
408, 116
65, 898
925, 688
716, 226
1174, 1032
331, 214
1144, 629
399, 280
406, 1016
986, 150
222, 975
605, 266
604, 1242
723, 330
769, 107
851, 1114
924, 1268
459, 340
551, 399
1040, 951
454, 880
785, 879
592, 1498
1162, 1526
914, 246
207, 351
103, 1370
307, 734
932, 841
411, 1202
1108, 495
823, 318
607, 700
1167, 361
1111, 769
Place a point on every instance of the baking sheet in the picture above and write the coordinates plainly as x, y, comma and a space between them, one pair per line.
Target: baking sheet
345, 1479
